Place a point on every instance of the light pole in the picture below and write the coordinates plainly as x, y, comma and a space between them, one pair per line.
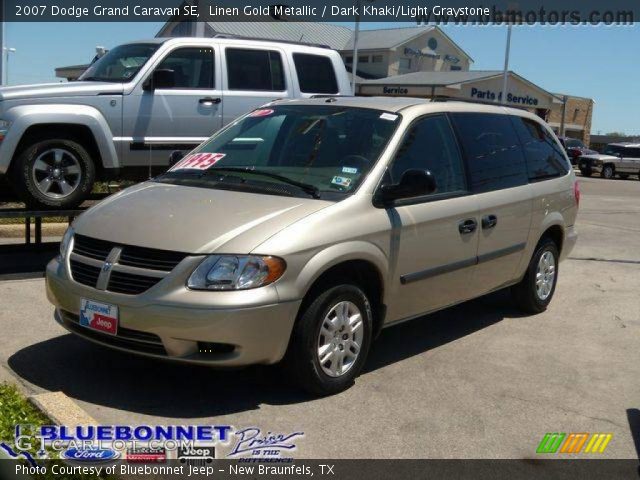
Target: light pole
505, 73
354, 62
7, 51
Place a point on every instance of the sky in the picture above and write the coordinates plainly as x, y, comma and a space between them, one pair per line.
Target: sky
597, 62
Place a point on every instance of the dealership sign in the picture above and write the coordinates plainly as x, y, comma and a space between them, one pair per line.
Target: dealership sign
486, 94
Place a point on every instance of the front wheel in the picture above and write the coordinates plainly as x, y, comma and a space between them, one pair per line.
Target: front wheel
535, 291
586, 172
331, 340
53, 173
608, 172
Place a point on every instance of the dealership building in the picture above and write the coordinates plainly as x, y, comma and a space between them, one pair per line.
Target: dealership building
413, 61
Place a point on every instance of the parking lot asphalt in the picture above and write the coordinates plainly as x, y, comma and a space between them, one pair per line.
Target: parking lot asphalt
478, 380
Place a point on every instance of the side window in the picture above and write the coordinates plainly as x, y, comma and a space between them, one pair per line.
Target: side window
431, 145
192, 67
633, 152
545, 158
494, 154
257, 70
315, 73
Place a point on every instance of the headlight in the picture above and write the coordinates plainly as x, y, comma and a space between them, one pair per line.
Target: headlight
65, 242
236, 272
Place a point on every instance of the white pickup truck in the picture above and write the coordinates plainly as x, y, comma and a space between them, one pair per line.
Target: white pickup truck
141, 101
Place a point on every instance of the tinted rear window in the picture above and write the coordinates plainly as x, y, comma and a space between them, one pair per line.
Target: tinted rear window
493, 151
256, 70
544, 156
315, 73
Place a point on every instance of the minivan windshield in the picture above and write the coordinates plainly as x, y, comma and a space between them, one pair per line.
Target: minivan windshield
121, 63
323, 151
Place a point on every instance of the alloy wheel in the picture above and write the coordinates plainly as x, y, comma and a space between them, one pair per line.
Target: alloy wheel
56, 173
340, 339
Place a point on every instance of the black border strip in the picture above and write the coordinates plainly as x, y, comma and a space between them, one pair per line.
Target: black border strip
452, 267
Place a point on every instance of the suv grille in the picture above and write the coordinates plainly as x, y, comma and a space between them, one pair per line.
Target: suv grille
125, 269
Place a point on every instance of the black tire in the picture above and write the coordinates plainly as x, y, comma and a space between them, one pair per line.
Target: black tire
586, 172
608, 172
525, 293
302, 357
25, 183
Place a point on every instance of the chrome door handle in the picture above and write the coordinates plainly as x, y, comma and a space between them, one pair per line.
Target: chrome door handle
210, 101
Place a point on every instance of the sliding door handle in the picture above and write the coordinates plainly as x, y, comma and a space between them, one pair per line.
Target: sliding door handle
489, 221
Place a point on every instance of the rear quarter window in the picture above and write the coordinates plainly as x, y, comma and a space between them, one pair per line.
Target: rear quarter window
544, 156
315, 73
493, 151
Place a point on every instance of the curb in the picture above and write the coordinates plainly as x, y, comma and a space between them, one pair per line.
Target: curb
61, 409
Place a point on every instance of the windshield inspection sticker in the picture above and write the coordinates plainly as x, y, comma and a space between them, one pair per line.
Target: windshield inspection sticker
341, 181
198, 161
349, 170
388, 116
262, 112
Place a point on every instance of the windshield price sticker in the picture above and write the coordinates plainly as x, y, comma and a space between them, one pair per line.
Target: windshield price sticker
262, 112
198, 161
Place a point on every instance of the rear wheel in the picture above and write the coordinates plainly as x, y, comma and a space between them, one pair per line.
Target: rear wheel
608, 172
53, 173
330, 342
535, 291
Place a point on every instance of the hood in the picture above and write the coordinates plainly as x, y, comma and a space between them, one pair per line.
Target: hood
191, 219
52, 90
599, 156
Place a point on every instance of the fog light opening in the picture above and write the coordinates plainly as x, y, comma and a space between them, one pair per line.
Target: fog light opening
211, 348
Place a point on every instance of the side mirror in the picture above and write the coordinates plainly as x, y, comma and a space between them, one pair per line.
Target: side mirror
414, 183
160, 78
175, 157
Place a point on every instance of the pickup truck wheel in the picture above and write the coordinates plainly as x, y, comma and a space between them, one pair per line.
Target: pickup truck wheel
535, 291
331, 339
53, 173
608, 172
586, 172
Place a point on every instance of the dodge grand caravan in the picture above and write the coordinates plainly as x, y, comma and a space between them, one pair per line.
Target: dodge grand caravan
303, 228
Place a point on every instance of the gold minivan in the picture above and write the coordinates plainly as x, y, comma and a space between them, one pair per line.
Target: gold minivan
303, 228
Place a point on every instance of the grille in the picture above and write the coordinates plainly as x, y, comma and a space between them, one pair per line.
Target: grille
84, 274
91, 247
130, 284
144, 342
150, 258
134, 270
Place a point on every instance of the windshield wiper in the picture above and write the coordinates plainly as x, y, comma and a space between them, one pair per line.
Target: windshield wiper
305, 187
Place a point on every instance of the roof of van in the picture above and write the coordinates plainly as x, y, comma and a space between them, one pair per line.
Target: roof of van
395, 104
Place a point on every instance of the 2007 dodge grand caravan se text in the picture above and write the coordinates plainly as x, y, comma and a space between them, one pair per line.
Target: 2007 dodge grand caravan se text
304, 227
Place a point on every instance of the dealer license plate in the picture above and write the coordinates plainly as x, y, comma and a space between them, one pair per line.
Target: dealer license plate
102, 317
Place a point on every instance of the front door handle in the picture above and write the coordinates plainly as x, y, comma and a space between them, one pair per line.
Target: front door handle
489, 221
468, 226
210, 101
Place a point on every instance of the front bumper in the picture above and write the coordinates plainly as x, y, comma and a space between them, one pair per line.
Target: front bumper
175, 323
586, 164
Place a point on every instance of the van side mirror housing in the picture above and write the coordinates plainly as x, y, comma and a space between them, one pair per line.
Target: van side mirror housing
160, 78
175, 157
414, 183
